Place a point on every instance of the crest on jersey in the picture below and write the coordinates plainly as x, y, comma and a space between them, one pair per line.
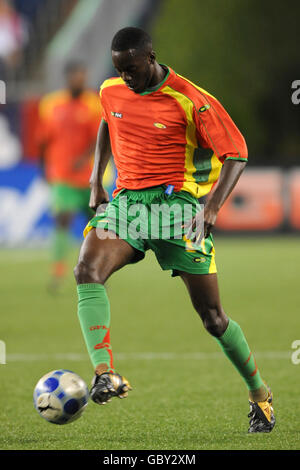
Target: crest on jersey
159, 125
204, 108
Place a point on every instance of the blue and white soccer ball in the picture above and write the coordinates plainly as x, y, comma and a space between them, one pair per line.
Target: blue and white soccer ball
60, 396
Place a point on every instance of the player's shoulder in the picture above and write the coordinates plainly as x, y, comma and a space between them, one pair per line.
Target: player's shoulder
111, 82
51, 100
55, 96
197, 95
91, 99
90, 94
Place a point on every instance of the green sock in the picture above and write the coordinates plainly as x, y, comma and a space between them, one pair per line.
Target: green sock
235, 346
60, 244
94, 318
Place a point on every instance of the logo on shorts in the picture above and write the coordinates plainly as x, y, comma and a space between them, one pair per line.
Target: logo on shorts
200, 260
159, 125
117, 115
204, 108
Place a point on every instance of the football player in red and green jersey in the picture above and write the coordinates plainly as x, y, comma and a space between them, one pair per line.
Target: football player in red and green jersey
67, 131
172, 143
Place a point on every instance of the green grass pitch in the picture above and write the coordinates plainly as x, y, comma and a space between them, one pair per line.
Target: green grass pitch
186, 393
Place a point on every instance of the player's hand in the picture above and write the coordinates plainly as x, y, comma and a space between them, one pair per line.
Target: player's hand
194, 228
201, 224
98, 196
79, 163
210, 217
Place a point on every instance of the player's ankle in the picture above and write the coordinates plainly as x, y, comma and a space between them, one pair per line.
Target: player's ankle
59, 269
101, 368
259, 394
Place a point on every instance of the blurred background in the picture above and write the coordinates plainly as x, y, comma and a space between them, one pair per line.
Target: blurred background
245, 53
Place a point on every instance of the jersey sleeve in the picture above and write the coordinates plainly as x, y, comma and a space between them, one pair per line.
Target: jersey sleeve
103, 111
95, 113
216, 130
43, 129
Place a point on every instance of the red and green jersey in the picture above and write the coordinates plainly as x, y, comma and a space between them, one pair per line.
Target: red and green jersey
175, 134
68, 127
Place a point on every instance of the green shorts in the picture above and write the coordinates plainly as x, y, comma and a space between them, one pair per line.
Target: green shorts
151, 219
66, 198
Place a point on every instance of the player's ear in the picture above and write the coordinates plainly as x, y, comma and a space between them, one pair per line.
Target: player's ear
152, 57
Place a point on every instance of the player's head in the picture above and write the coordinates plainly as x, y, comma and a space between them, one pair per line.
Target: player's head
76, 77
133, 57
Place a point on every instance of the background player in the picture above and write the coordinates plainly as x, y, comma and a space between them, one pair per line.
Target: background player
200, 146
69, 121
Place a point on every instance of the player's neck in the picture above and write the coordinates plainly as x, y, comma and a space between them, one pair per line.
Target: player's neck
76, 93
158, 75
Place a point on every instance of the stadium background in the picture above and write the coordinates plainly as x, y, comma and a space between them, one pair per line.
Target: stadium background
246, 54
252, 85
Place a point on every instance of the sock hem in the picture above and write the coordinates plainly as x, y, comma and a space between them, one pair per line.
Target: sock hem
90, 286
227, 332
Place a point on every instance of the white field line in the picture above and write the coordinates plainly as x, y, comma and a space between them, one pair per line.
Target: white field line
143, 356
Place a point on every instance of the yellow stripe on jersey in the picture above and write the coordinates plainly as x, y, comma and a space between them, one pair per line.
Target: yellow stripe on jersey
111, 82
49, 101
205, 93
187, 105
190, 183
216, 167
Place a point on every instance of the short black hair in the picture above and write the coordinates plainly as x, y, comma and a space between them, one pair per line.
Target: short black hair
130, 38
73, 66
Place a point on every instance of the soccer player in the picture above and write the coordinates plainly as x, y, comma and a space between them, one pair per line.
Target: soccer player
69, 121
172, 143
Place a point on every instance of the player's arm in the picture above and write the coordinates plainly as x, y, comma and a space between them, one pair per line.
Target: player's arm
217, 131
83, 158
230, 174
42, 134
42, 146
102, 155
92, 128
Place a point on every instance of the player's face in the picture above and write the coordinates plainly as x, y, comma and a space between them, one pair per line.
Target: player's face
135, 68
77, 81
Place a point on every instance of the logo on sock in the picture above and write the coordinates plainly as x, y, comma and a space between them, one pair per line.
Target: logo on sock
102, 345
105, 343
98, 327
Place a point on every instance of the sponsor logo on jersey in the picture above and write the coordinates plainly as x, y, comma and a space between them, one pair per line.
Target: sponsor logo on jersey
159, 125
117, 115
200, 260
204, 108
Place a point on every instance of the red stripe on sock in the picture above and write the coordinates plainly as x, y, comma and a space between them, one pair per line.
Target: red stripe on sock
255, 370
111, 360
246, 362
105, 344
59, 269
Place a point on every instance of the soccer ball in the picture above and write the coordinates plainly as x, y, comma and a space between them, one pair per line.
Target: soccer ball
60, 396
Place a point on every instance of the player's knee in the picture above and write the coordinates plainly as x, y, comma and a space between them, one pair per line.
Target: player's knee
214, 320
86, 273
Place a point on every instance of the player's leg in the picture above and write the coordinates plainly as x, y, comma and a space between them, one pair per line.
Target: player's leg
59, 247
195, 263
204, 293
65, 202
98, 259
